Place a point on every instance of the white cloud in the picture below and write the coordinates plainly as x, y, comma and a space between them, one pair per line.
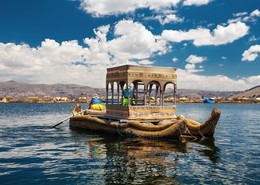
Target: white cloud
165, 17
196, 2
253, 39
255, 13
134, 41
116, 7
192, 61
224, 58
190, 67
201, 36
252, 80
98, 48
187, 80
251, 54
169, 18
240, 14
145, 62
237, 19
174, 59
68, 62
52, 62
244, 17
49, 63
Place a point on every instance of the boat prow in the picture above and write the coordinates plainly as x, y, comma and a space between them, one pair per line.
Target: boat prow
206, 129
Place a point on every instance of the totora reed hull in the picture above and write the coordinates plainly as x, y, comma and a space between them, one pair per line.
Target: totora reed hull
171, 128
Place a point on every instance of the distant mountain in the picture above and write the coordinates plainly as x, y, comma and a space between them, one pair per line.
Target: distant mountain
22, 90
250, 93
198, 94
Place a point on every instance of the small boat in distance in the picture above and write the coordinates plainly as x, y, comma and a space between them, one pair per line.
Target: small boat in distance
135, 107
208, 100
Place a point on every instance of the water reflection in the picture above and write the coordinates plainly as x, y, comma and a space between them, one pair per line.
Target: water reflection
144, 161
210, 149
206, 146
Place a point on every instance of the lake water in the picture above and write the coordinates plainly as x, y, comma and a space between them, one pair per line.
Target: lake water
31, 152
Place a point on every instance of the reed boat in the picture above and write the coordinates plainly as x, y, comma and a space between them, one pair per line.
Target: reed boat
169, 128
135, 107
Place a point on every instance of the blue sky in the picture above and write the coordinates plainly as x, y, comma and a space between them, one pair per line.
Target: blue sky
214, 44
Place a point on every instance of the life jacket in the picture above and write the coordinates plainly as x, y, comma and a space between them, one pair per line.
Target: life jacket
95, 101
126, 93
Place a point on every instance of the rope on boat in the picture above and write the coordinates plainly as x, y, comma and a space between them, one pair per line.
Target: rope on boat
187, 130
201, 133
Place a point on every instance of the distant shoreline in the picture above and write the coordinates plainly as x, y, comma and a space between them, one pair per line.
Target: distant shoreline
238, 101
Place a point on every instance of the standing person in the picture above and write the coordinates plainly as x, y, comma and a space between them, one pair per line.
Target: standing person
95, 103
127, 94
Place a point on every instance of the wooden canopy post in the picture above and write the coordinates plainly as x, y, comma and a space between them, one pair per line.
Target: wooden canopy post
156, 94
112, 93
118, 94
174, 94
106, 94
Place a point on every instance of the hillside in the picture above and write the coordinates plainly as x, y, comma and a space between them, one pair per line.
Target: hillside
250, 93
22, 90
198, 94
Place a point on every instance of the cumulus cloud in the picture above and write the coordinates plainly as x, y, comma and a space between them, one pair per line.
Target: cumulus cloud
195, 2
201, 36
187, 80
131, 43
134, 41
98, 49
192, 60
115, 7
43, 63
251, 54
68, 62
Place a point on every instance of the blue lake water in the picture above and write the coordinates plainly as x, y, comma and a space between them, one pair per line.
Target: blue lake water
31, 152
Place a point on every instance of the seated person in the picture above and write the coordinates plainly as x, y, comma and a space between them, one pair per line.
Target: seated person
77, 109
95, 103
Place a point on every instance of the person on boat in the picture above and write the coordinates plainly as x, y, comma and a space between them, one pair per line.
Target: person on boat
128, 94
77, 109
95, 103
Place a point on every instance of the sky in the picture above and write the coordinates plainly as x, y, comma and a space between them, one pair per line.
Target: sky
214, 44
